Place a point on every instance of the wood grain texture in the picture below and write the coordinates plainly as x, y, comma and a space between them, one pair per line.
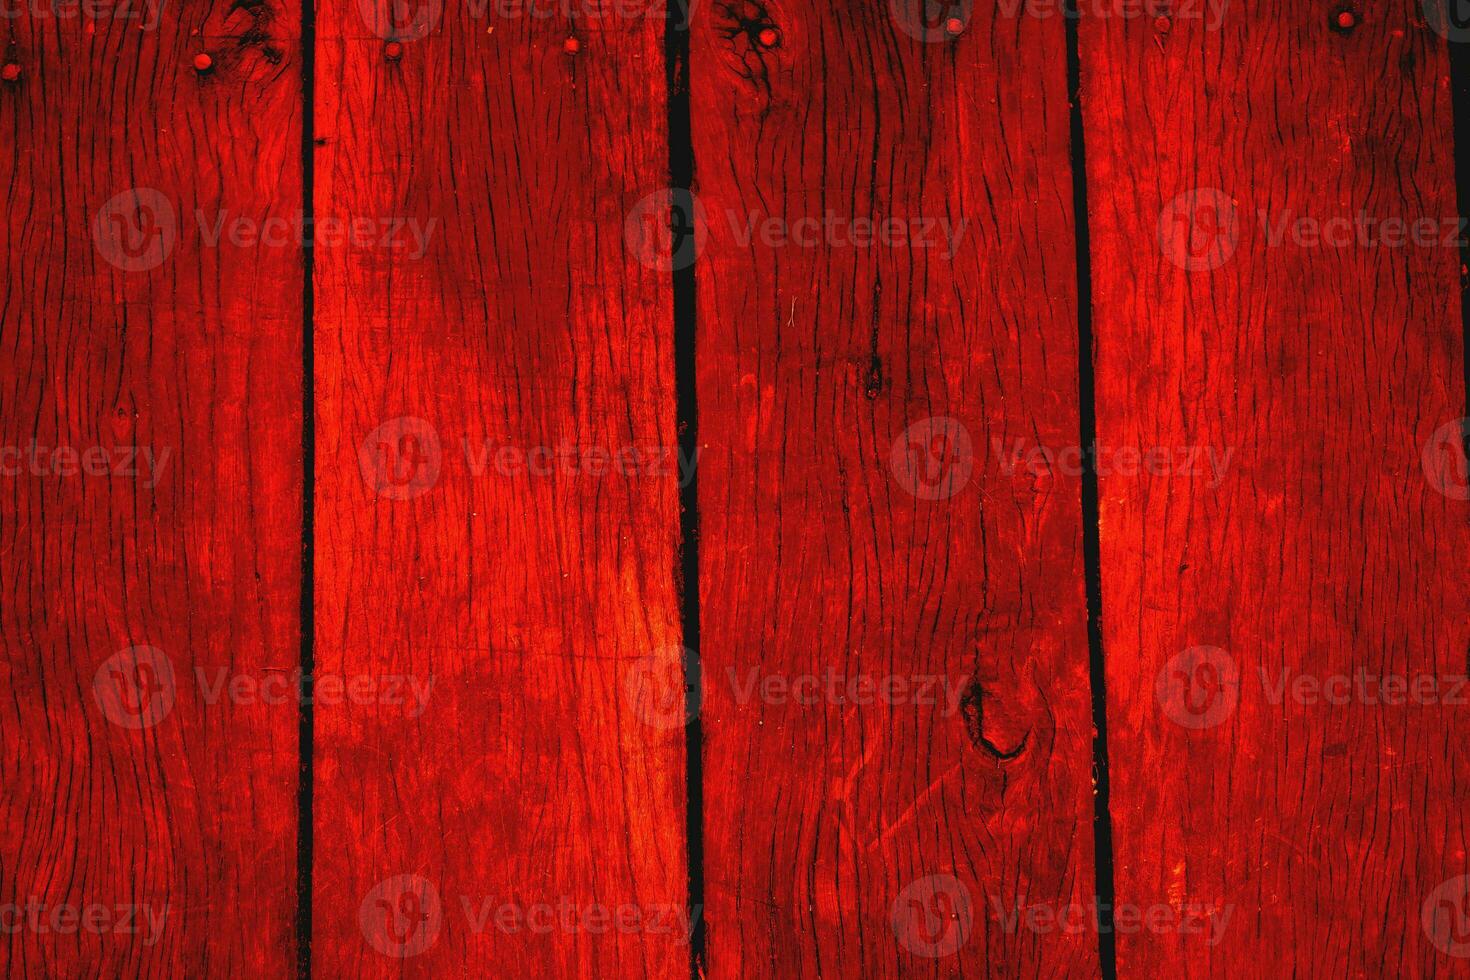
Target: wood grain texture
847, 535
1321, 828
527, 589
150, 817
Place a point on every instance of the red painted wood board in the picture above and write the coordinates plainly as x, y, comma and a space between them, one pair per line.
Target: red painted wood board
726, 558
894, 660
150, 502
1283, 627
466, 542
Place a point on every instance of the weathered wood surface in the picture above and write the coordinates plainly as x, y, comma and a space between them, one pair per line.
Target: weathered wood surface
467, 542
1304, 818
150, 490
896, 716
869, 327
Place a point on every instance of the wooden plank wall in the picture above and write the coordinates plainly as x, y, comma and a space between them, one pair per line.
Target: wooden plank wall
1315, 548
151, 328
461, 546
860, 531
857, 618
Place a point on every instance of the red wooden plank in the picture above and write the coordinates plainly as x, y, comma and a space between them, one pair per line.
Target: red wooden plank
863, 391
1319, 818
149, 791
479, 524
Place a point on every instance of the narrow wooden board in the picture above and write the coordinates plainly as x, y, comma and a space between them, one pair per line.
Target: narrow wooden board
1328, 838
536, 595
861, 512
150, 812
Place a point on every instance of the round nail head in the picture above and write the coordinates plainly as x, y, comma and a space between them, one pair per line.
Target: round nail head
393, 50
571, 45
954, 26
11, 72
768, 37
1346, 20
203, 62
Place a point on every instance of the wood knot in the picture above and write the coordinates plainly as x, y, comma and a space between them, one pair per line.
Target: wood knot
972, 705
749, 33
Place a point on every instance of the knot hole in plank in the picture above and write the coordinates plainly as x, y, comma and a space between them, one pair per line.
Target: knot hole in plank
1011, 743
750, 35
